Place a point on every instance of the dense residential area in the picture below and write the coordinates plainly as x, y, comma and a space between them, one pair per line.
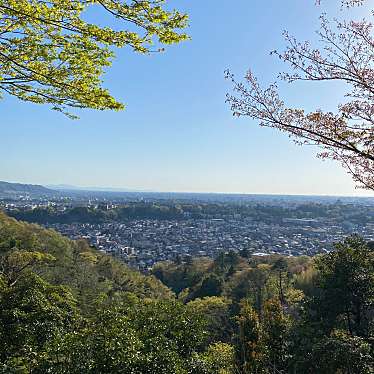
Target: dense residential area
142, 243
146, 231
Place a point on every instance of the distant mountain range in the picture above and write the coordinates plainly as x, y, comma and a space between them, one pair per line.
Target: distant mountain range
16, 189
10, 190
68, 187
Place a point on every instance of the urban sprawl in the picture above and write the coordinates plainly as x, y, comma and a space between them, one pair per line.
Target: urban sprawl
294, 229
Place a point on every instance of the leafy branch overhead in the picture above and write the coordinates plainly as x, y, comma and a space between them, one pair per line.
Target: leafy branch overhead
50, 54
346, 56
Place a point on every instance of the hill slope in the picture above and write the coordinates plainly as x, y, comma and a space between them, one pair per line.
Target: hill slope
86, 271
15, 189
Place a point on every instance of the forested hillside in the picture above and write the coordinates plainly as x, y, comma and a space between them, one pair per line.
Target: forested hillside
337, 212
66, 308
16, 189
58, 260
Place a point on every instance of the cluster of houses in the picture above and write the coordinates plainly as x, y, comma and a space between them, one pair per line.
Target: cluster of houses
142, 243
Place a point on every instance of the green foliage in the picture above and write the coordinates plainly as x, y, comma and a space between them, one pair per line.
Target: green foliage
338, 353
225, 263
218, 359
145, 337
51, 54
249, 346
306, 280
87, 272
66, 308
337, 212
217, 312
346, 283
211, 285
253, 283
179, 276
32, 314
288, 308
15, 262
276, 329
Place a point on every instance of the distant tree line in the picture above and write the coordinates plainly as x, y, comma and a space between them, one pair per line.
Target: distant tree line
337, 212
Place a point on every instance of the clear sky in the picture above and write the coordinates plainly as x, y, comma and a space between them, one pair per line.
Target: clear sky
177, 133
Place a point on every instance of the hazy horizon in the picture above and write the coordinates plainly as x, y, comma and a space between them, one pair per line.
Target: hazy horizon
106, 188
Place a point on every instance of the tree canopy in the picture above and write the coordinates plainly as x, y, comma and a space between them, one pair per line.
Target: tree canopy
346, 55
50, 52
66, 308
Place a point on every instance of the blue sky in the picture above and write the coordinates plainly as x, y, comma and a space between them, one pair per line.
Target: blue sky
177, 133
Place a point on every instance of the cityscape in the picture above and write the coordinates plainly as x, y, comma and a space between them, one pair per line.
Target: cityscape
142, 229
